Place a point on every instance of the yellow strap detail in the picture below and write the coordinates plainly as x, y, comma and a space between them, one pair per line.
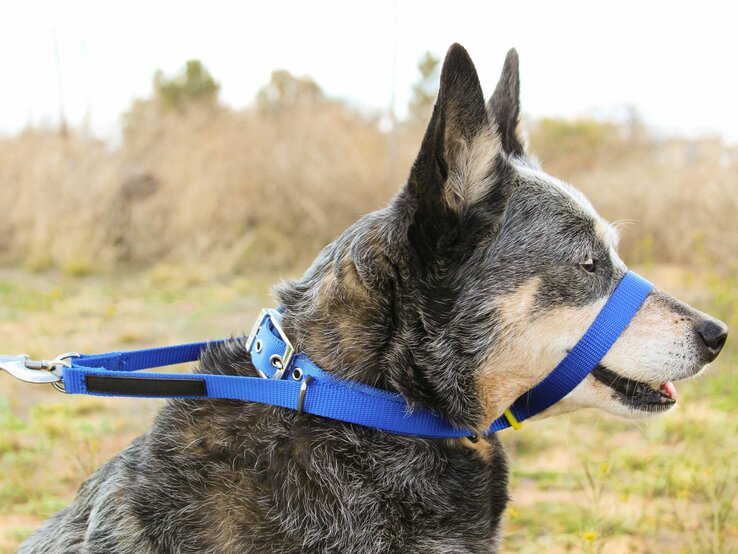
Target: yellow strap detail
514, 423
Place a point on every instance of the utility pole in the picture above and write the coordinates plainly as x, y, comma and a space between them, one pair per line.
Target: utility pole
392, 142
62, 116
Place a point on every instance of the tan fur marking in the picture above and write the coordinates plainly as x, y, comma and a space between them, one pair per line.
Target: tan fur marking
352, 286
482, 446
529, 348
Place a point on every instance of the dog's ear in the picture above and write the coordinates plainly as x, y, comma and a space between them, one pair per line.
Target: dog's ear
504, 106
458, 146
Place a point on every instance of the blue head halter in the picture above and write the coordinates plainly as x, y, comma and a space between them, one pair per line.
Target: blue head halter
291, 380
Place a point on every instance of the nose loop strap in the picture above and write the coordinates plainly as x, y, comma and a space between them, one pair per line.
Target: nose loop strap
614, 317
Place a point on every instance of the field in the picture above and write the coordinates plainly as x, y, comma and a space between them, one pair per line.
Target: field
153, 239
580, 483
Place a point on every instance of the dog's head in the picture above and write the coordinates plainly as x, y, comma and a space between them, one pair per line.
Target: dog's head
483, 273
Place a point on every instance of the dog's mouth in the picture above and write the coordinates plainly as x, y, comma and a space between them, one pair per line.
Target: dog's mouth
650, 397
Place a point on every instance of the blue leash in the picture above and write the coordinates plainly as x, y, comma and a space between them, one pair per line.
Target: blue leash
291, 380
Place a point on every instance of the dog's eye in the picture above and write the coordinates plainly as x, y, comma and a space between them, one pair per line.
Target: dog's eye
589, 266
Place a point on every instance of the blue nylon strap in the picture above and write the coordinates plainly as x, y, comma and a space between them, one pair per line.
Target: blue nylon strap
354, 402
325, 396
144, 359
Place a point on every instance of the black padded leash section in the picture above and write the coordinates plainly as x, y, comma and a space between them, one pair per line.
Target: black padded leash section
145, 386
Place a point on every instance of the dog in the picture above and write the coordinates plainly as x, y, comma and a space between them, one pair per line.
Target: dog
462, 294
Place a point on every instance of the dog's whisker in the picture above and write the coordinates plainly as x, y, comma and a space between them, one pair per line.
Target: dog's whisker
622, 223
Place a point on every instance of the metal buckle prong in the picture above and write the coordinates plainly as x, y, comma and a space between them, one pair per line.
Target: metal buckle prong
281, 362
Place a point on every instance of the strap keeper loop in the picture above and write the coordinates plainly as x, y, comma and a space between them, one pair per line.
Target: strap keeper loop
512, 420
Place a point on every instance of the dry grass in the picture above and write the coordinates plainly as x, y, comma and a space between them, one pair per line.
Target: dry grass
211, 183
234, 187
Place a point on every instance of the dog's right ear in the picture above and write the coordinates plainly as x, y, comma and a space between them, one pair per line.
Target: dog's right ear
504, 106
453, 168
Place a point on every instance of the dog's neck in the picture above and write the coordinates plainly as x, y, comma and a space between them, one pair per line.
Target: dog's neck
339, 319
353, 315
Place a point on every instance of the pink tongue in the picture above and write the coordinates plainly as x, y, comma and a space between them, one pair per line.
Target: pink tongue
669, 389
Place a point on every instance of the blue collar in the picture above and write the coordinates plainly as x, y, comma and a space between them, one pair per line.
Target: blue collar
291, 380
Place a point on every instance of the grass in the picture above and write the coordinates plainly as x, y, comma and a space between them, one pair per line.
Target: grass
580, 483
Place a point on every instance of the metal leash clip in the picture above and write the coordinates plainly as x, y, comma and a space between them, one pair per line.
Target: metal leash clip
32, 371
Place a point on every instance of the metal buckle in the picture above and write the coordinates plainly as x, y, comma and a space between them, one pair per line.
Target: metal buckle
22, 367
280, 362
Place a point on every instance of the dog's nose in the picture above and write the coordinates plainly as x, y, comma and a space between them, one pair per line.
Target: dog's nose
713, 333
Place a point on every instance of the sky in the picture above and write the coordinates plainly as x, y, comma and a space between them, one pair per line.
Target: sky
675, 62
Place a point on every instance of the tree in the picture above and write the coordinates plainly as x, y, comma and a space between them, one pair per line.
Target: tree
190, 95
285, 90
193, 85
425, 90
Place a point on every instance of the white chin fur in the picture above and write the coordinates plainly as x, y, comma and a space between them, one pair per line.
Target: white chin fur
593, 394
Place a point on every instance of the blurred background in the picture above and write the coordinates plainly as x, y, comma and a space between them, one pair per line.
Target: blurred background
162, 165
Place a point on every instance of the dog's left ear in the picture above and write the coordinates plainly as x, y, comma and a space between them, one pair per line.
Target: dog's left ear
504, 106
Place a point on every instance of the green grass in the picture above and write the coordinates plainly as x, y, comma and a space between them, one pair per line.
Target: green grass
580, 483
